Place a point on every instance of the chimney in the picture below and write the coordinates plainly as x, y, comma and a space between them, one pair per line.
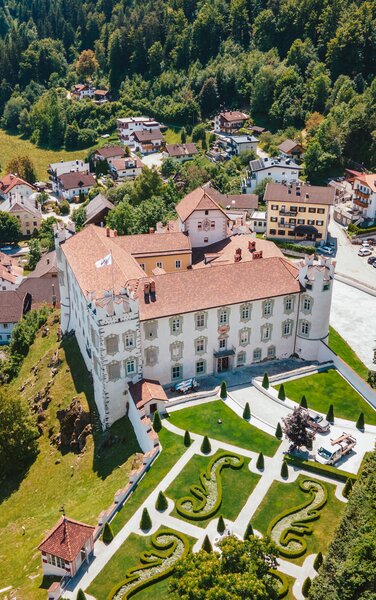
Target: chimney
153, 295
307, 195
257, 255
251, 245
48, 261
108, 231
238, 255
151, 230
115, 232
146, 292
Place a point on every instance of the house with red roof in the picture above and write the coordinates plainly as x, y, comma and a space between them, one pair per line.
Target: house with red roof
201, 216
230, 120
67, 547
12, 186
364, 202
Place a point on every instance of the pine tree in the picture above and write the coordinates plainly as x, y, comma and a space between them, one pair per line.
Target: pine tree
318, 561
248, 531
80, 595
221, 525
161, 503
107, 535
157, 423
260, 462
281, 392
284, 470
303, 402
205, 446
223, 392
265, 381
330, 414
183, 136
347, 488
247, 412
360, 422
306, 587
187, 439
206, 545
145, 523
278, 431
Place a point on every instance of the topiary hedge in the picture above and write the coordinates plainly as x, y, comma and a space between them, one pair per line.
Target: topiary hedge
325, 470
200, 493
161, 549
284, 587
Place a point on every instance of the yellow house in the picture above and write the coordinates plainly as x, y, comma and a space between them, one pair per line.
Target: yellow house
162, 251
297, 212
26, 211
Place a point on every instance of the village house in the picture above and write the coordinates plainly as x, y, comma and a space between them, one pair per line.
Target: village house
62, 167
148, 141
180, 152
257, 221
97, 210
278, 170
126, 167
257, 130
42, 284
364, 197
229, 121
236, 144
12, 186
26, 210
11, 274
13, 305
82, 90
74, 185
127, 126
108, 153
101, 96
235, 203
298, 212
291, 149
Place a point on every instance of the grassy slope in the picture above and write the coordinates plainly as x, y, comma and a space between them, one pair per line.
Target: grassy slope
344, 351
237, 485
327, 388
84, 483
203, 419
282, 496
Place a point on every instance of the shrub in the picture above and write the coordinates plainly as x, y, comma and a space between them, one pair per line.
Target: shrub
281, 392
223, 392
309, 444
325, 470
206, 445
145, 523
221, 525
107, 535
187, 439
330, 414
248, 531
64, 207
318, 561
206, 545
157, 423
265, 381
284, 470
161, 503
303, 402
247, 412
260, 463
347, 488
306, 587
360, 422
278, 431
80, 595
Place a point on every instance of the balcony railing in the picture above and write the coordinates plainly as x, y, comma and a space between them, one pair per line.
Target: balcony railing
288, 213
361, 203
287, 225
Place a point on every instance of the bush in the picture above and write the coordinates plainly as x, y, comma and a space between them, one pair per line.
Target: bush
347, 489
260, 462
296, 247
64, 207
145, 523
187, 439
278, 431
247, 412
306, 587
265, 381
281, 392
206, 445
107, 535
325, 470
157, 423
161, 503
206, 545
360, 422
223, 392
330, 414
318, 561
221, 524
248, 531
284, 470
303, 402
80, 595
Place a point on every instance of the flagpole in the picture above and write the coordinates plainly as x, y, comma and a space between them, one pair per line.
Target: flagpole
112, 275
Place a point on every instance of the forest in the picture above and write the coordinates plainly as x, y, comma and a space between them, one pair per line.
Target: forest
303, 64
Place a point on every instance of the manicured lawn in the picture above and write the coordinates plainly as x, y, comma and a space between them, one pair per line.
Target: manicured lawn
344, 351
327, 388
237, 485
127, 557
84, 483
203, 419
173, 449
282, 496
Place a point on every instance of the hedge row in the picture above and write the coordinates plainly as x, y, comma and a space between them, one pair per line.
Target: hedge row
325, 470
290, 534
296, 247
159, 549
200, 492
360, 230
284, 588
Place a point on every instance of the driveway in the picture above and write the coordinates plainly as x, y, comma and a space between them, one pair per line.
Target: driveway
152, 160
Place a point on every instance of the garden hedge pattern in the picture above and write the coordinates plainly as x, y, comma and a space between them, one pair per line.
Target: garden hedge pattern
167, 548
284, 583
206, 498
288, 528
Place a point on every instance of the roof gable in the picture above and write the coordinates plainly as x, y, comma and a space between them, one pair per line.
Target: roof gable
198, 199
66, 539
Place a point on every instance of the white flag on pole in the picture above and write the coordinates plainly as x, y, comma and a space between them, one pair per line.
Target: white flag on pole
104, 262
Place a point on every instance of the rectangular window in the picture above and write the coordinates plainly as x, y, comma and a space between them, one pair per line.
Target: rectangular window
321, 211
212, 224
311, 222
320, 223
177, 264
159, 264
267, 309
200, 367
326, 287
244, 337
274, 207
177, 372
223, 317
271, 352
223, 343
240, 361
311, 209
129, 340
301, 221
281, 232
200, 320
266, 332
287, 327
142, 265
199, 225
257, 355
273, 219
176, 325
206, 240
302, 208
288, 303
200, 345
304, 328
130, 366
245, 312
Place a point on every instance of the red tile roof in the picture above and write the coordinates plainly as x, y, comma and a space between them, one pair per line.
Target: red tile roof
234, 115
299, 194
368, 179
66, 539
146, 390
224, 251
235, 201
9, 181
151, 244
76, 180
129, 162
198, 199
180, 150
11, 306
148, 136
110, 151
288, 145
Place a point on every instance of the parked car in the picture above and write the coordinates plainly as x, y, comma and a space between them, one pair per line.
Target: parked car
317, 422
371, 260
364, 251
326, 250
369, 242
329, 455
331, 244
188, 385
374, 264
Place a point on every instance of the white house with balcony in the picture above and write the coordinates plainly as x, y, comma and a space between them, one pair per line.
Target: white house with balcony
275, 169
364, 197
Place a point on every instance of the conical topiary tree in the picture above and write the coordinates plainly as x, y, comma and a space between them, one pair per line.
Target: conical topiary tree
265, 381
221, 524
107, 535
206, 545
278, 431
161, 503
223, 392
157, 423
360, 422
206, 445
247, 412
80, 595
187, 439
145, 523
284, 470
318, 561
347, 488
260, 462
330, 414
306, 587
281, 392
249, 531
303, 402
309, 444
